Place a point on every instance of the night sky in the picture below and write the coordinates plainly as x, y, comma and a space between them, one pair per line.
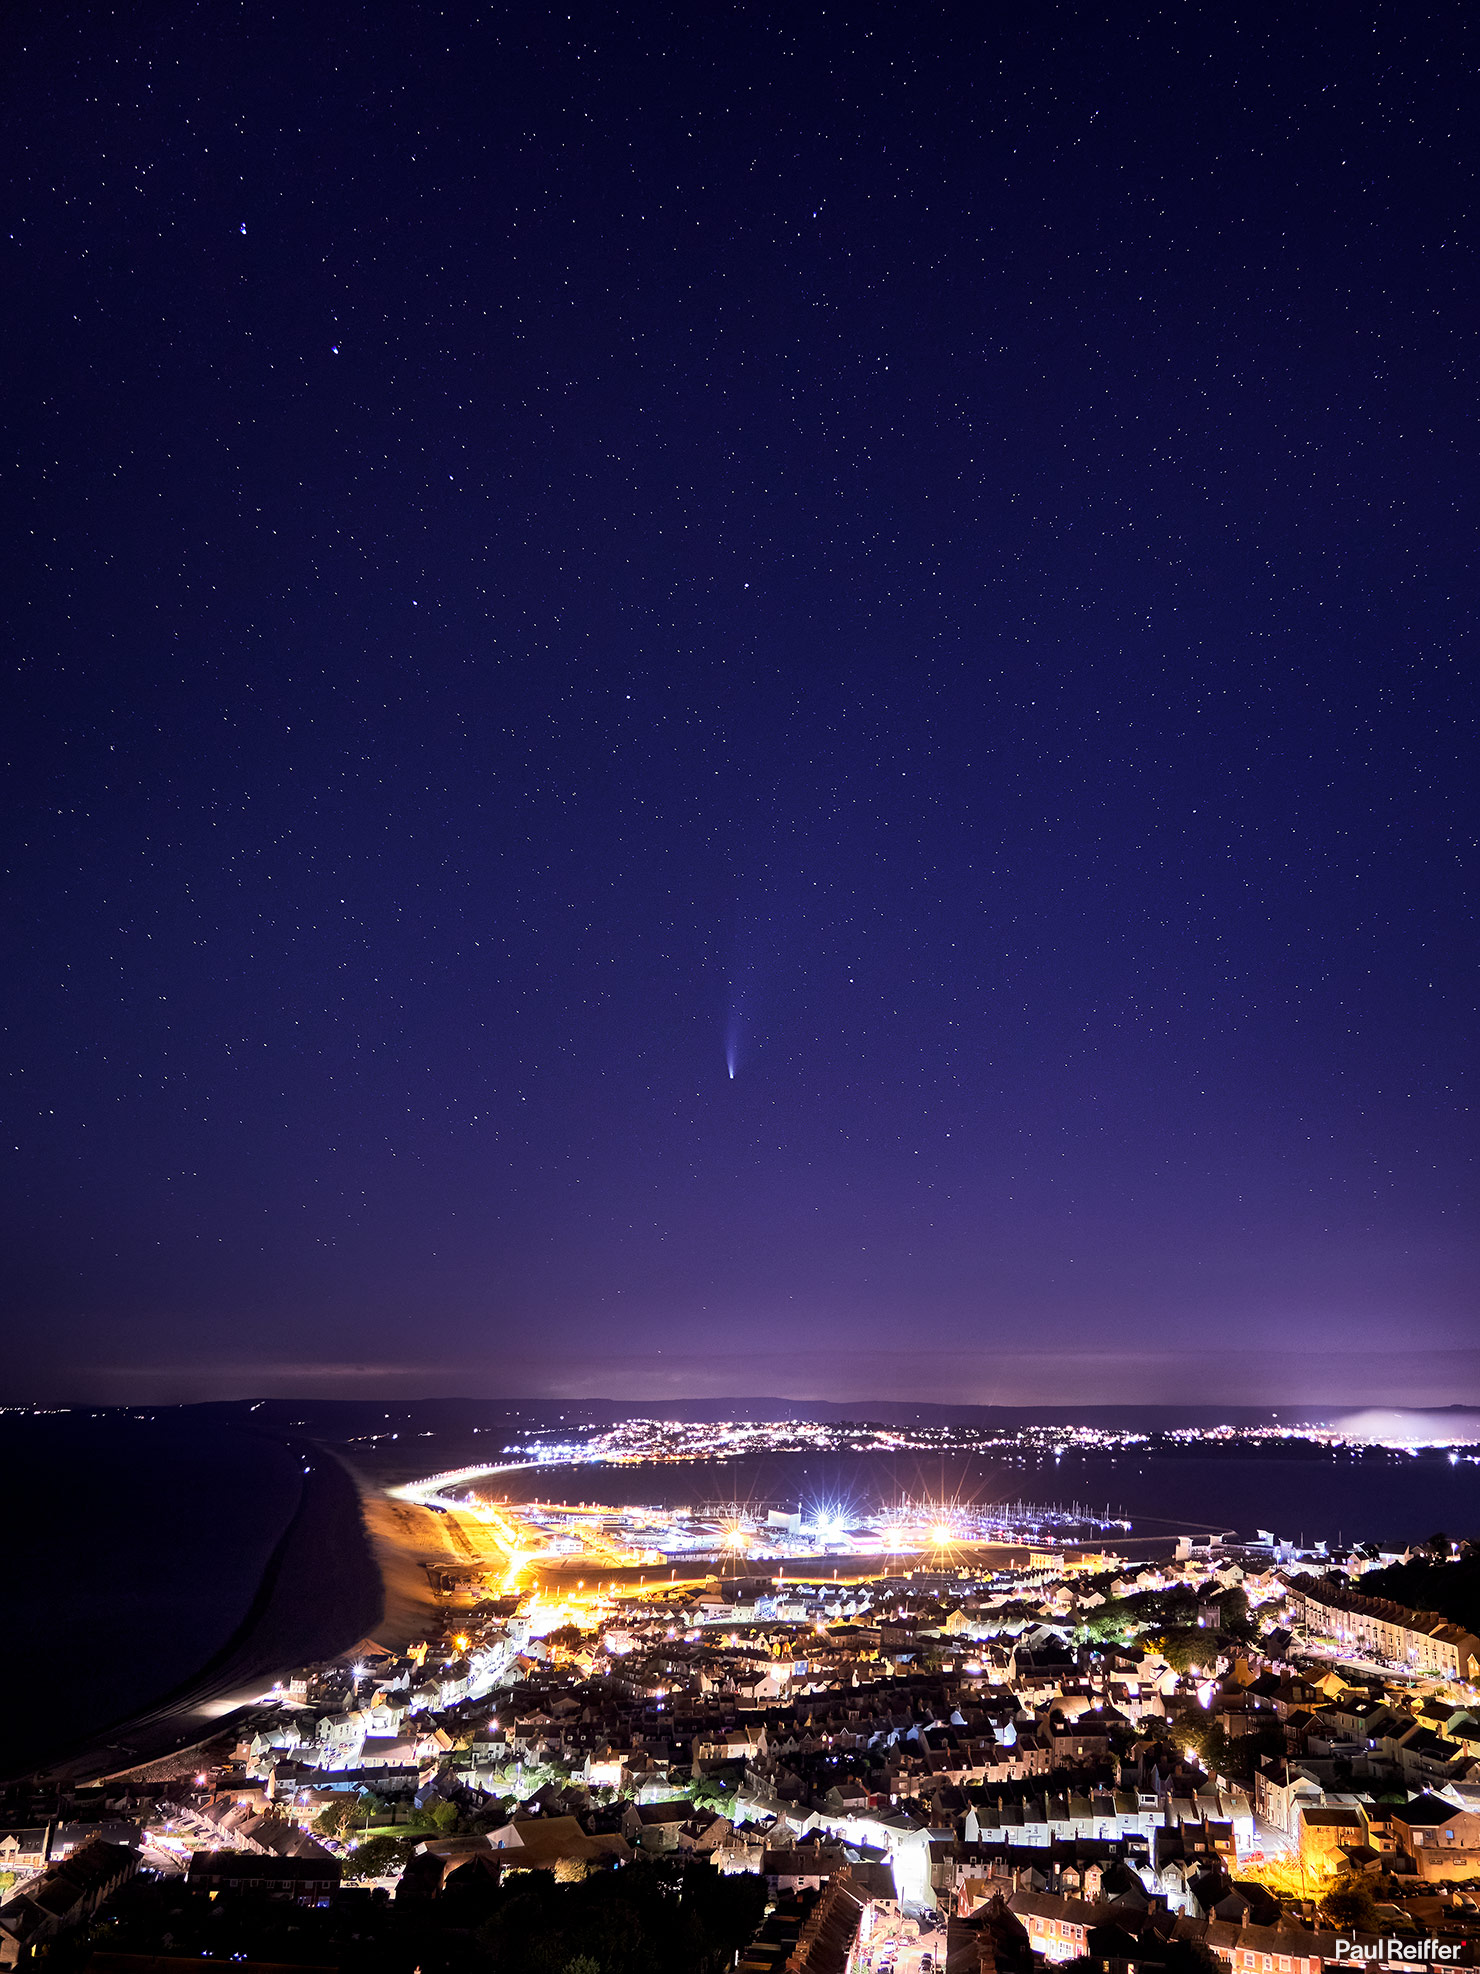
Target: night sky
740, 700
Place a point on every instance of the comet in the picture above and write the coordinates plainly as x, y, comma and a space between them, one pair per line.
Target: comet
732, 1041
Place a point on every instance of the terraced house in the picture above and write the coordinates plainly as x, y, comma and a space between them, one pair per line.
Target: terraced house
1381, 1629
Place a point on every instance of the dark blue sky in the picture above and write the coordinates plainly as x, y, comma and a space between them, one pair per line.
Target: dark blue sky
930, 548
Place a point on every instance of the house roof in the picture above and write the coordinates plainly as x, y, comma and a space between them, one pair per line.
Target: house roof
1048, 1905
544, 1839
250, 1864
1428, 1811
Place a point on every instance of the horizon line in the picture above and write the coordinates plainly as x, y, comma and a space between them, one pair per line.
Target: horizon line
56, 1405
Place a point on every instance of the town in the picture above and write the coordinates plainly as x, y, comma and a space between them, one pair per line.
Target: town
919, 1750
661, 1441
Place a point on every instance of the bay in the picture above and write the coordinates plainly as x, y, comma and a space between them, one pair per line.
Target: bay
1374, 1495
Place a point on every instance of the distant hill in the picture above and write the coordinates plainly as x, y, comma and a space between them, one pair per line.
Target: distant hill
1451, 1589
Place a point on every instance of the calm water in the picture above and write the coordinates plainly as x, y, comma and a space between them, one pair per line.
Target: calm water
1377, 1497
138, 1550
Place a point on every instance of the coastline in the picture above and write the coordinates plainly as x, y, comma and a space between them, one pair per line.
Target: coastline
403, 1538
320, 1592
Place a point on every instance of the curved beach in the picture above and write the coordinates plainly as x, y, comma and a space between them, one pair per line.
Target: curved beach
318, 1593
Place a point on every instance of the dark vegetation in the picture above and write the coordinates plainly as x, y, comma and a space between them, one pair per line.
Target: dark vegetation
1188, 1626
1350, 1905
652, 1917
1235, 1756
1428, 1583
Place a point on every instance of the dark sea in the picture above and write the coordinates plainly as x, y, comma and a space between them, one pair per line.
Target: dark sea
159, 1567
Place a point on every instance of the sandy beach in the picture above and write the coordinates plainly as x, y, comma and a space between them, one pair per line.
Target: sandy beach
404, 1539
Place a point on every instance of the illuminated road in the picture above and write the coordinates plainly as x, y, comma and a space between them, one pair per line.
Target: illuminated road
428, 1490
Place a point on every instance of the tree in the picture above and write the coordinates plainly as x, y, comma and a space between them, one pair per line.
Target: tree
1183, 1650
1110, 1624
334, 1819
1349, 1904
377, 1857
1233, 1613
1204, 1736
1246, 1751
